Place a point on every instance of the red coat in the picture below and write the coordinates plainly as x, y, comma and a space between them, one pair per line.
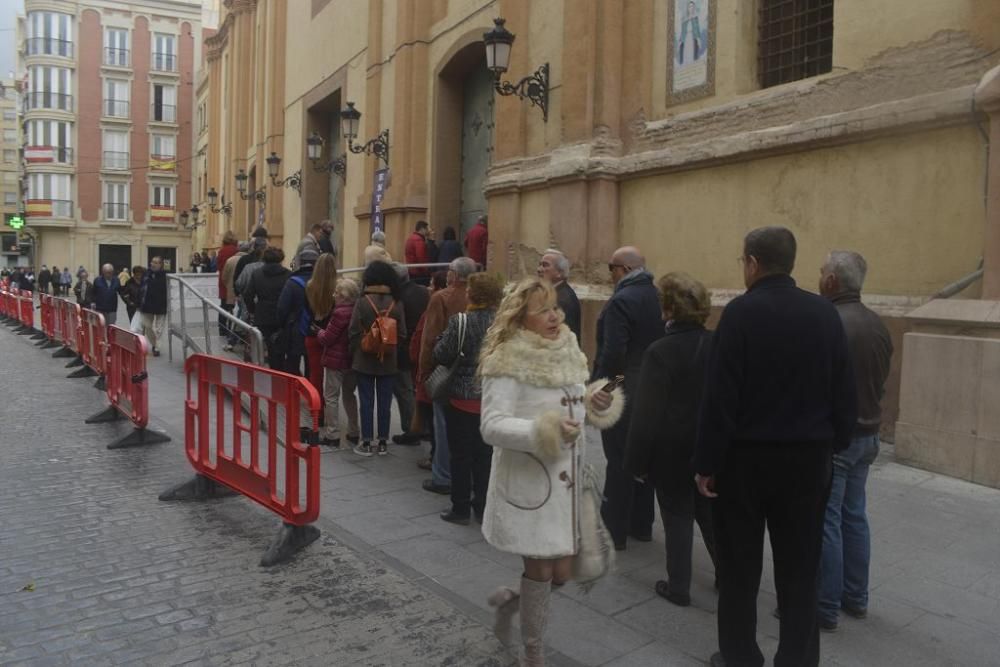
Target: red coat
225, 252
476, 240
415, 252
334, 339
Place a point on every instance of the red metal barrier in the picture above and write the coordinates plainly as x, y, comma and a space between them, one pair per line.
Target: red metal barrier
26, 309
127, 388
272, 467
67, 315
45, 301
92, 344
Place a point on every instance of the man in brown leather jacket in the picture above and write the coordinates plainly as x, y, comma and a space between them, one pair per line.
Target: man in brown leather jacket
443, 305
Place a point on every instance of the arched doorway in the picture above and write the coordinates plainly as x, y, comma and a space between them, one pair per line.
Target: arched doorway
463, 138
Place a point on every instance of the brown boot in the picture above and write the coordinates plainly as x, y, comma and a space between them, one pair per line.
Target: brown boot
507, 602
534, 618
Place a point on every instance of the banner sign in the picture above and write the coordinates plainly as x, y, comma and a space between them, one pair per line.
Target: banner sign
378, 192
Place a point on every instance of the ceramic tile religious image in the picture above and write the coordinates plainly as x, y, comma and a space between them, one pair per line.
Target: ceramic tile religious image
691, 54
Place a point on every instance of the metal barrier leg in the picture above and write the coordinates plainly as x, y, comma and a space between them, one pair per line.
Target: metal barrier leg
108, 414
38, 335
289, 541
63, 353
140, 437
198, 487
76, 362
82, 372
101, 384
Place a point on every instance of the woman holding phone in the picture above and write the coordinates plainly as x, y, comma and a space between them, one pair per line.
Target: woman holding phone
537, 413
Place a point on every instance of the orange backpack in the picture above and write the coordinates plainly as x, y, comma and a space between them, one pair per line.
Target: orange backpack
381, 335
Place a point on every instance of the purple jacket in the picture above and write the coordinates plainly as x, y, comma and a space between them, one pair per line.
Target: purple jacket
334, 340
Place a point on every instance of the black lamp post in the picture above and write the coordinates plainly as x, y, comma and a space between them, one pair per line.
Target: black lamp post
379, 146
314, 150
293, 181
534, 87
193, 217
241, 188
213, 198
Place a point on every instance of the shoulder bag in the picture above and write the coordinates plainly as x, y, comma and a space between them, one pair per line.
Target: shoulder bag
438, 382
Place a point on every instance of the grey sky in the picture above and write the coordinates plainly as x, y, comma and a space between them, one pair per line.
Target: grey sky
9, 9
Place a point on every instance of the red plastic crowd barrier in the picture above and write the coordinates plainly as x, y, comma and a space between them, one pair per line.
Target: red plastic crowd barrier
67, 315
45, 301
26, 314
127, 388
226, 448
92, 344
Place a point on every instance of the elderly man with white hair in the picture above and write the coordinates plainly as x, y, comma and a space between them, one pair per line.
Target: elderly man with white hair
554, 267
105, 294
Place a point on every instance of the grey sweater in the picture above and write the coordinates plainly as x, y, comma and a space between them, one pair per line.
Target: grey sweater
464, 383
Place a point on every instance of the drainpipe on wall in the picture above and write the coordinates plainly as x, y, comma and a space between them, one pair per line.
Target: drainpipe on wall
954, 288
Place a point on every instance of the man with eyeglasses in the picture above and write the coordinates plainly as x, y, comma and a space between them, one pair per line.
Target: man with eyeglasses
628, 324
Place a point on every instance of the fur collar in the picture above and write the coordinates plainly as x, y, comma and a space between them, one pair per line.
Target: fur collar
537, 361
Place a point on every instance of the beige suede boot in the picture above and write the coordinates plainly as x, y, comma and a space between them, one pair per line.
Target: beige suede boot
507, 602
534, 618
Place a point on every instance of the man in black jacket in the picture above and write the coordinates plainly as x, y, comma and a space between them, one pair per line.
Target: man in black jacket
628, 324
846, 538
261, 298
154, 303
779, 400
415, 298
554, 267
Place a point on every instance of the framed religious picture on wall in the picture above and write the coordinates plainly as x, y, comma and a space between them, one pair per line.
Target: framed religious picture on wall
691, 50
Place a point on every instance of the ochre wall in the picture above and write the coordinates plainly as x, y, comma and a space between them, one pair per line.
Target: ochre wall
912, 204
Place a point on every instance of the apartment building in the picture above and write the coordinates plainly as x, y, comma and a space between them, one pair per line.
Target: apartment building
108, 143
10, 173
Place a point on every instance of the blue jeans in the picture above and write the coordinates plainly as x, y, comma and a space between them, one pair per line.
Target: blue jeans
375, 390
846, 538
441, 464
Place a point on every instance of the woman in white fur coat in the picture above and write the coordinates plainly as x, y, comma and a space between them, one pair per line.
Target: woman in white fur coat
535, 407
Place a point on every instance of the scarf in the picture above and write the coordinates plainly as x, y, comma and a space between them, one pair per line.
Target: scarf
537, 361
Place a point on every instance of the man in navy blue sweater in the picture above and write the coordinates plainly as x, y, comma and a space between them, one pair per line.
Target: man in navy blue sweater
779, 400
106, 290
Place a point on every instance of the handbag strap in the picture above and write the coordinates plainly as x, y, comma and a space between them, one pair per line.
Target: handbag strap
462, 321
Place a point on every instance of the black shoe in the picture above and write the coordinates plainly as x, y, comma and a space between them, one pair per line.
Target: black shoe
855, 612
827, 626
383, 448
662, 589
354, 439
156, 352
364, 449
716, 660
407, 439
333, 443
451, 517
619, 546
440, 489
479, 518
642, 538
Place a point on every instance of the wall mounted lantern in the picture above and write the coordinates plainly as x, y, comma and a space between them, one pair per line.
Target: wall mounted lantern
379, 146
314, 150
213, 199
534, 87
293, 181
194, 222
241, 187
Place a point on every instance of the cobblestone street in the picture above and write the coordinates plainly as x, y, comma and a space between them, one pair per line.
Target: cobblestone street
114, 576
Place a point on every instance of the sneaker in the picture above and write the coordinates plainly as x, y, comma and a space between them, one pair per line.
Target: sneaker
383, 449
364, 449
156, 352
227, 348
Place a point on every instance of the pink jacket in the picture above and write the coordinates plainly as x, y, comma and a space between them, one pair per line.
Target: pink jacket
334, 339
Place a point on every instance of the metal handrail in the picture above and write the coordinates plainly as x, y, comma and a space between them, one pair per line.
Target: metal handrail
253, 337
360, 269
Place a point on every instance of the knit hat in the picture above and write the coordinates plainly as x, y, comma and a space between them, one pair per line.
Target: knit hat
308, 256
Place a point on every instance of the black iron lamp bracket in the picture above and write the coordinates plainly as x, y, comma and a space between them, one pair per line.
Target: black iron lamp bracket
534, 88
379, 147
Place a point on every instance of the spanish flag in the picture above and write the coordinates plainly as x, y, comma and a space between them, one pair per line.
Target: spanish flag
33, 154
161, 214
38, 208
158, 163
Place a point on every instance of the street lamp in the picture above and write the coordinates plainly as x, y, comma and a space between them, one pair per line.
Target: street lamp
213, 198
314, 150
193, 217
534, 87
379, 146
241, 188
293, 181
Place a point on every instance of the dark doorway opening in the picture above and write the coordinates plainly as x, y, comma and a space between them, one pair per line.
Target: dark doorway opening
168, 255
119, 256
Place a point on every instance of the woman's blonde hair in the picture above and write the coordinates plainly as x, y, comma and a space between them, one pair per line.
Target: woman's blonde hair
484, 290
510, 315
229, 238
319, 289
347, 289
684, 298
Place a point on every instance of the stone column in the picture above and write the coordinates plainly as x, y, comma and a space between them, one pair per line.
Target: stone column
988, 100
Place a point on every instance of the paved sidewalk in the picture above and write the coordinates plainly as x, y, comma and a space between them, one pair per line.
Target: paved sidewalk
935, 574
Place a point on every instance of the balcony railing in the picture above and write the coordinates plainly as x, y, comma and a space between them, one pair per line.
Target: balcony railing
116, 108
47, 100
164, 113
116, 57
164, 62
115, 211
115, 160
162, 162
48, 208
47, 46
48, 155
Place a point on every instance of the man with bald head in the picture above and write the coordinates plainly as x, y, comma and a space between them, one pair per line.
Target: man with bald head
106, 291
629, 323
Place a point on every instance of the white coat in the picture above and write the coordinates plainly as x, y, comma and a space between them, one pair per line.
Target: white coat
529, 385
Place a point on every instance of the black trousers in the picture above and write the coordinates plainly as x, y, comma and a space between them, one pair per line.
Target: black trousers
785, 487
628, 505
470, 462
679, 510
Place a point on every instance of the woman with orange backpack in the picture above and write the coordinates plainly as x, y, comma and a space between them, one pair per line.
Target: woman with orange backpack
377, 325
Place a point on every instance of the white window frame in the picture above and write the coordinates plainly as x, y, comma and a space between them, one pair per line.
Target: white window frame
116, 93
168, 103
116, 200
114, 141
163, 195
116, 47
164, 52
